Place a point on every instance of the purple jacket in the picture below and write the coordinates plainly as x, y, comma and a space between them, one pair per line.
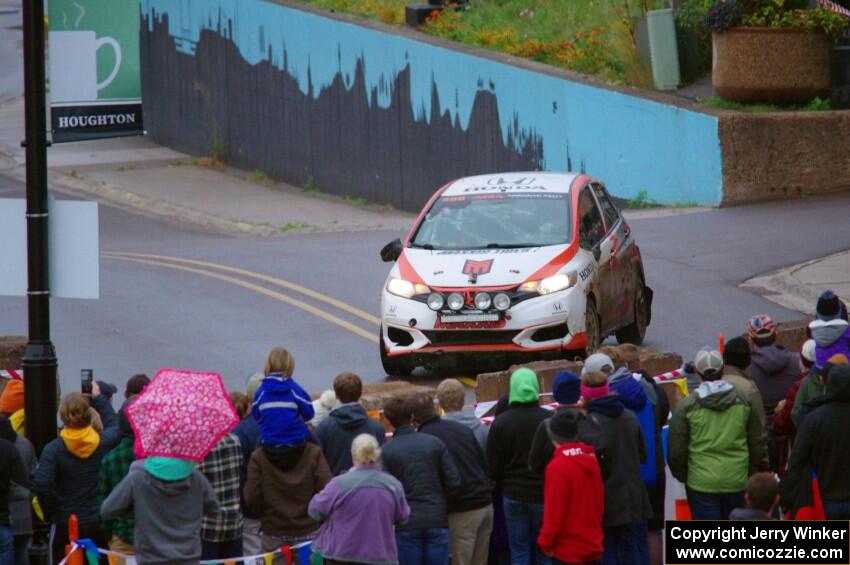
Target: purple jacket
830, 337
358, 511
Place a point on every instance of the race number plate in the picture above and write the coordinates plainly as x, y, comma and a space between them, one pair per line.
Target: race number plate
459, 318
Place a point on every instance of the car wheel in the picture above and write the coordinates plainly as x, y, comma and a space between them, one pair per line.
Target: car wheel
591, 327
636, 331
393, 366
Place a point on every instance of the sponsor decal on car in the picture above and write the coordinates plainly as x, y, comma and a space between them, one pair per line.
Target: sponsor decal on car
471, 267
586, 272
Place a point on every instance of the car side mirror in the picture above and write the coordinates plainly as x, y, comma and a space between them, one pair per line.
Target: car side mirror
597, 253
392, 251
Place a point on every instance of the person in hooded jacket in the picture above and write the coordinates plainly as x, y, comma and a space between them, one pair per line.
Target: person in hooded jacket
573, 495
166, 498
627, 506
714, 442
821, 446
281, 482
345, 422
20, 499
281, 407
508, 448
69, 468
12, 405
641, 397
831, 330
774, 370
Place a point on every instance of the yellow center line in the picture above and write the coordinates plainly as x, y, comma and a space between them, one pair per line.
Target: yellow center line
258, 289
258, 276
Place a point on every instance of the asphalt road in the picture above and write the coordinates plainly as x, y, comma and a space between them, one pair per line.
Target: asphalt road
164, 313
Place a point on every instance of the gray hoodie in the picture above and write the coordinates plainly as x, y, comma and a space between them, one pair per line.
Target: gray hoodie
167, 514
469, 420
774, 369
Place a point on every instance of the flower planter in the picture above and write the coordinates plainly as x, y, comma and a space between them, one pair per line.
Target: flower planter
776, 65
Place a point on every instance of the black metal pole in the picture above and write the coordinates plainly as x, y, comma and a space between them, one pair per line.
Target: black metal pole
39, 362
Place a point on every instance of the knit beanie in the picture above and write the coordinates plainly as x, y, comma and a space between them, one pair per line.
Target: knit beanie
524, 387
566, 389
12, 399
829, 306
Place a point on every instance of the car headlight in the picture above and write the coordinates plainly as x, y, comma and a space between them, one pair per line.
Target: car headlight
436, 301
551, 284
455, 301
482, 301
405, 289
502, 301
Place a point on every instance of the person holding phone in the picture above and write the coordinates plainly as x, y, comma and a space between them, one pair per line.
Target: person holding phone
67, 476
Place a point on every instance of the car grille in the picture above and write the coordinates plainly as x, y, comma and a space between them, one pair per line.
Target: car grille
471, 337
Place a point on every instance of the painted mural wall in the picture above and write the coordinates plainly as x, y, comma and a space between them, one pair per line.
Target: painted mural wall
382, 116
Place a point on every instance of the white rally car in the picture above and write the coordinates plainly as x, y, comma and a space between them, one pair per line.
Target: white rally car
527, 265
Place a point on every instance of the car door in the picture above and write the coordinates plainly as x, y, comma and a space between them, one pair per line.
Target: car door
618, 243
592, 237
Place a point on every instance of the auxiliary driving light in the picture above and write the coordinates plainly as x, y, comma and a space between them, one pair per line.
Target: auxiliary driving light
436, 301
482, 301
455, 301
502, 301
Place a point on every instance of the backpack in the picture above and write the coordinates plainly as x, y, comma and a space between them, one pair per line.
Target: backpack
649, 468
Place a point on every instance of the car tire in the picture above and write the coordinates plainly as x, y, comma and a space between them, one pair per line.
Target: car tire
393, 366
636, 331
592, 327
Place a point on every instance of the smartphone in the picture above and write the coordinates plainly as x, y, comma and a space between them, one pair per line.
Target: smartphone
86, 378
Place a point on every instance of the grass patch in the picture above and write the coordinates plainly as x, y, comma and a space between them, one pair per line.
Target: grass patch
356, 200
641, 202
816, 105
294, 226
310, 187
260, 177
589, 36
127, 168
208, 162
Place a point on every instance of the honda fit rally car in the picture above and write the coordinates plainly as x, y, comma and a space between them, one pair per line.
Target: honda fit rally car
523, 264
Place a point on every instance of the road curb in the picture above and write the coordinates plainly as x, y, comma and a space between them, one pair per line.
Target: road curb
109, 194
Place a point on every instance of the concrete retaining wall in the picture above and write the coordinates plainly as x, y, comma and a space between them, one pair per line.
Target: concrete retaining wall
390, 114
784, 155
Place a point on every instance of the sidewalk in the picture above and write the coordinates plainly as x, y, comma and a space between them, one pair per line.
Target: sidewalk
798, 287
136, 174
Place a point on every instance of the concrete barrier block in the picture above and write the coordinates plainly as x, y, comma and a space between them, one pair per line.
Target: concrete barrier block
374, 395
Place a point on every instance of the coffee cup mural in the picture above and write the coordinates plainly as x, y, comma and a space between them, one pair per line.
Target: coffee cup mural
73, 65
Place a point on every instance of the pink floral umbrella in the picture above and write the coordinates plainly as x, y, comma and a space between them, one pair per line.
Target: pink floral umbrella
181, 414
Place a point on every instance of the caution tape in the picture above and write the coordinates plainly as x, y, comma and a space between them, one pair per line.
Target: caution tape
90, 552
12, 374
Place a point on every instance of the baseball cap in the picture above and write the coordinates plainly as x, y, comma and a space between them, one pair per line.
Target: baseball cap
761, 326
708, 362
563, 426
598, 363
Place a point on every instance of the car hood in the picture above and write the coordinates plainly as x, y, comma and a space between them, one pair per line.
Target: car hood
495, 267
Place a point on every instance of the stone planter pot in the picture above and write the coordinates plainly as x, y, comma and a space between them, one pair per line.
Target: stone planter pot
776, 65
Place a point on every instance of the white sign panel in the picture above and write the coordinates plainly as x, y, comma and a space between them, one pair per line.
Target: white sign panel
74, 248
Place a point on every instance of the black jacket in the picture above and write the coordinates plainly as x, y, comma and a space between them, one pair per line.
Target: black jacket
774, 369
626, 500
11, 470
422, 465
508, 446
66, 484
821, 446
338, 430
542, 448
475, 487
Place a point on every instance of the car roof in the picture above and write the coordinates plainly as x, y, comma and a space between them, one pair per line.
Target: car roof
512, 182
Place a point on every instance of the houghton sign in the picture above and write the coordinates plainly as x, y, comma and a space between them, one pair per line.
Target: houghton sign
95, 87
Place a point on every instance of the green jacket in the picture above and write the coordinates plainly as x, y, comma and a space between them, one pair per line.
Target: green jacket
811, 387
715, 440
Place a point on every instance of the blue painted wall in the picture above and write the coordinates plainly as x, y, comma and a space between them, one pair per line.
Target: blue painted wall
631, 143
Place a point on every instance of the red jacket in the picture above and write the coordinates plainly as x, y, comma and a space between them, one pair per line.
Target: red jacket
573, 504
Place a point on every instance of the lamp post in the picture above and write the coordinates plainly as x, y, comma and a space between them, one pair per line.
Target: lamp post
39, 362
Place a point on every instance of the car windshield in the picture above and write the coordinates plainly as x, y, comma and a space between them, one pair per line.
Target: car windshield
505, 220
